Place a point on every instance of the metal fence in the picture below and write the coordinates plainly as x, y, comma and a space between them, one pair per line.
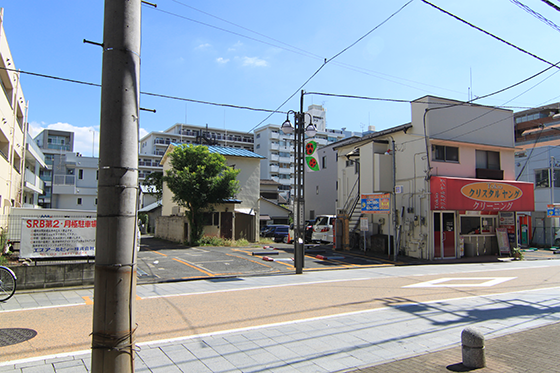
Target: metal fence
545, 236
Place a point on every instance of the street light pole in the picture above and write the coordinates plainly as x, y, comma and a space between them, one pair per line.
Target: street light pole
299, 203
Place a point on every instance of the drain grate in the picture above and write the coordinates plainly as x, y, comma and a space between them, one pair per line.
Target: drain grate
12, 336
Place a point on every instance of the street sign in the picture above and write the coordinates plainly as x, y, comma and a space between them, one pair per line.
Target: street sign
378, 203
553, 211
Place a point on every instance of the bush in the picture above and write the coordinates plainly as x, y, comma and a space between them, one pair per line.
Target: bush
222, 242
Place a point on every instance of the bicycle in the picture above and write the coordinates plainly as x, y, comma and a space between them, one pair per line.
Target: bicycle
8, 282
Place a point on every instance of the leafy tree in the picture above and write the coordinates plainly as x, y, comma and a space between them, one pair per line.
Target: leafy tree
154, 181
198, 179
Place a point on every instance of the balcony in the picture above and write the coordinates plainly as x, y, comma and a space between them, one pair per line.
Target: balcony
274, 157
274, 168
485, 173
33, 182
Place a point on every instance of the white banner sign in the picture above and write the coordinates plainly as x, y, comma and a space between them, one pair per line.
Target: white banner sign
53, 238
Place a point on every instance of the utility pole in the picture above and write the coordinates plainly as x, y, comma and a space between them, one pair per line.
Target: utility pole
114, 322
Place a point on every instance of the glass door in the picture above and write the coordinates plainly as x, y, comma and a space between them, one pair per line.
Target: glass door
444, 235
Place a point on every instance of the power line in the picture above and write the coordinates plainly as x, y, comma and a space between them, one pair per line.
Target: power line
294, 49
146, 93
539, 16
488, 33
551, 4
331, 59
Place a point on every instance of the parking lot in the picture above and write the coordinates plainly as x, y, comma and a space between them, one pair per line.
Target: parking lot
160, 260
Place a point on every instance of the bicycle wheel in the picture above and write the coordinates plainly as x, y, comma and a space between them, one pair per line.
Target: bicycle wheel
7, 284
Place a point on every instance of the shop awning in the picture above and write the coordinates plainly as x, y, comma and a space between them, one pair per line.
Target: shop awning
454, 193
265, 217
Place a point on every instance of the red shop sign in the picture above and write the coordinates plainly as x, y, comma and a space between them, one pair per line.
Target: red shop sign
452, 193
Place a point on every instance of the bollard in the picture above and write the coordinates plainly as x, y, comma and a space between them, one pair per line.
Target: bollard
473, 348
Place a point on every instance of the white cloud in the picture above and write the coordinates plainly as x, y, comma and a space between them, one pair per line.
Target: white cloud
235, 46
254, 61
203, 46
222, 60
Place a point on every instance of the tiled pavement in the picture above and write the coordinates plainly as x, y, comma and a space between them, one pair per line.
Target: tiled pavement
521, 330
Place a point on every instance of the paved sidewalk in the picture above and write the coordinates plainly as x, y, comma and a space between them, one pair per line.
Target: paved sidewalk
533, 350
400, 338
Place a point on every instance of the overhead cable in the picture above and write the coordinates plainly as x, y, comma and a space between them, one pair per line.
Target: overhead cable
488, 33
537, 15
331, 59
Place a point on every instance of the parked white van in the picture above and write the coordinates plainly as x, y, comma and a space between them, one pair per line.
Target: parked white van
323, 228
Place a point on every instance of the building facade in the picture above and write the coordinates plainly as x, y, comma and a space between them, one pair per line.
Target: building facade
152, 147
235, 219
436, 187
13, 123
33, 185
52, 143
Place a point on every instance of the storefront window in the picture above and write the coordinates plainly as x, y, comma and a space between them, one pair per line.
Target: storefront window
478, 225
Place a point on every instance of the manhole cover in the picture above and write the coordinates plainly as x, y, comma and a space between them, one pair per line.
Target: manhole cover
12, 336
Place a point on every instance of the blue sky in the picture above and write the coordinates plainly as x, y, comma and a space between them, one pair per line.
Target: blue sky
258, 53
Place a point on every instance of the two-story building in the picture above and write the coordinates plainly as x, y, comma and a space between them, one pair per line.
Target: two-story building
234, 219
441, 186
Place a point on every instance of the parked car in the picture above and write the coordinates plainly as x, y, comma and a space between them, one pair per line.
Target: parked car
267, 228
323, 228
308, 232
277, 232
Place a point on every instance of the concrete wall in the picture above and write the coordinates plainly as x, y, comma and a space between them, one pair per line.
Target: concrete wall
54, 275
172, 228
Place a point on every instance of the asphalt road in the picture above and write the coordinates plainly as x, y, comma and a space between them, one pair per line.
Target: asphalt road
192, 310
160, 261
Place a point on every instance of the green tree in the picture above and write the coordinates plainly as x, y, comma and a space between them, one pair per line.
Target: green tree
198, 179
154, 181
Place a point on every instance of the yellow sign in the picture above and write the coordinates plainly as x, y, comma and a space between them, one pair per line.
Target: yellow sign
491, 192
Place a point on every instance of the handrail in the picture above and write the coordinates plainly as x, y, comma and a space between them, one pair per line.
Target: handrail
351, 198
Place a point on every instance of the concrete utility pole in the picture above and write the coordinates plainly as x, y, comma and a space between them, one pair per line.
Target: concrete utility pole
114, 310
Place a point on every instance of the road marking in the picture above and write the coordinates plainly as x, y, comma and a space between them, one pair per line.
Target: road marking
250, 260
455, 282
157, 252
87, 300
195, 267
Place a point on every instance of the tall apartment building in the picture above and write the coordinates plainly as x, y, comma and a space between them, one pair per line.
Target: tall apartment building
52, 143
13, 112
153, 145
279, 151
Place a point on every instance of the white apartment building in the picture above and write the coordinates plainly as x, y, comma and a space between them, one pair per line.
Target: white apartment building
74, 182
33, 186
279, 151
153, 145
52, 143
13, 113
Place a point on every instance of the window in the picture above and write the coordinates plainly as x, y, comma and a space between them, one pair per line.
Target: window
97, 175
95, 202
324, 161
445, 153
541, 178
211, 218
81, 174
79, 201
487, 159
258, 135
356, 167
